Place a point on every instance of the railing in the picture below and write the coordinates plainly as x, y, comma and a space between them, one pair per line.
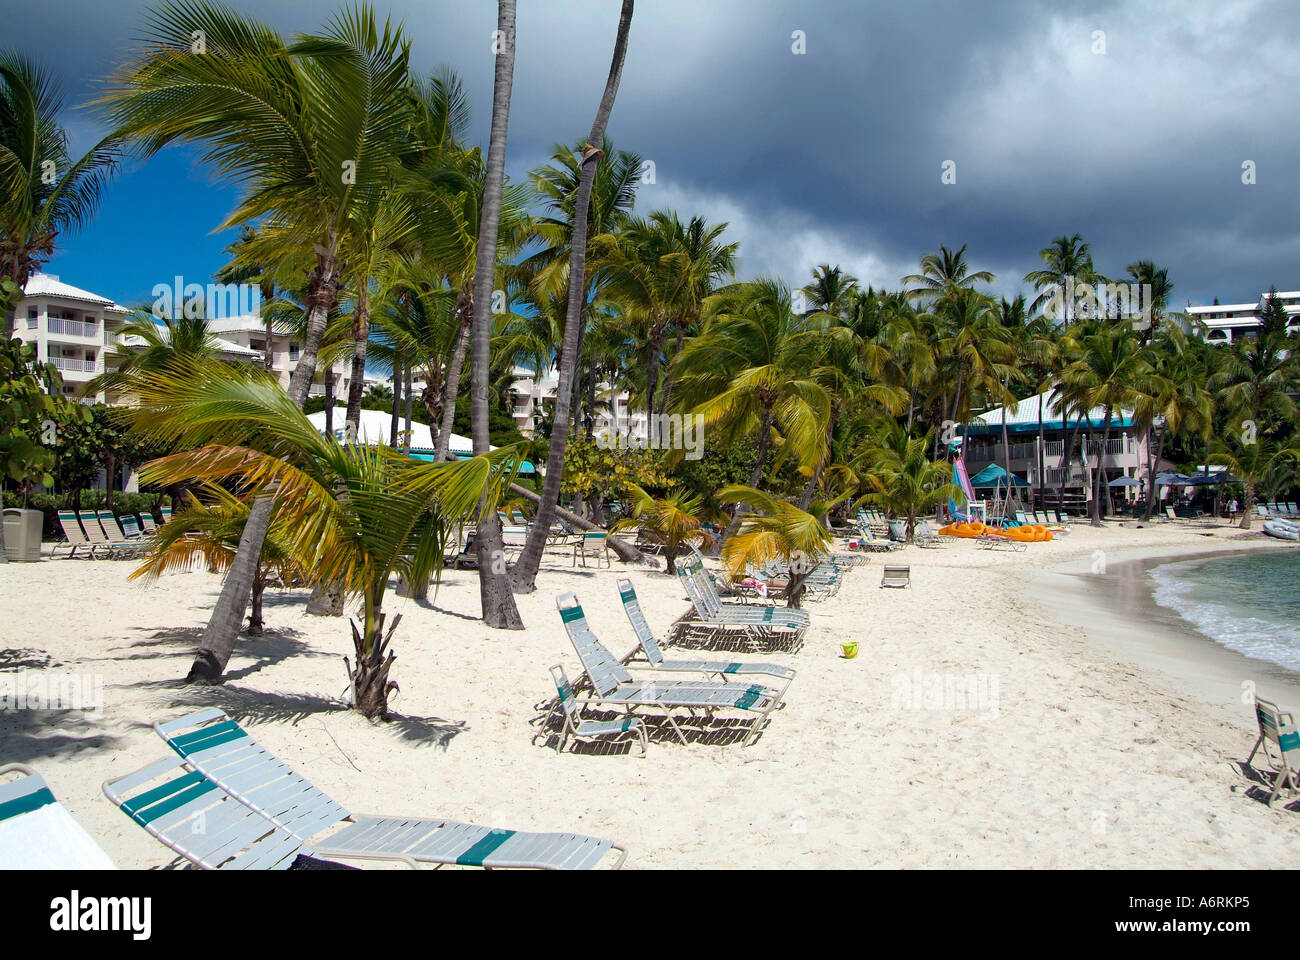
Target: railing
71, 328
71, 364
1114, 447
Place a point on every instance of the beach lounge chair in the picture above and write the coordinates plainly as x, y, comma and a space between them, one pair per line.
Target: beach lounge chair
867, 541
131, 528
107, 539
896, 577
467, 557
756, 619
923, 536
221, 750
147, 524
166, 514
718, 669
196, 819
1277, 728
995, 541
75, 537
1170, 514
613, 684
518, 519
37, 833
592, 545
579, 729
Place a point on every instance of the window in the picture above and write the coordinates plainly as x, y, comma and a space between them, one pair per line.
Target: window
33, 318
293, 353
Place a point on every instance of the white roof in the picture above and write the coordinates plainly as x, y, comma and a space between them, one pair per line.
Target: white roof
376, 425
1026, 412
249, 321
225, 346
49, 285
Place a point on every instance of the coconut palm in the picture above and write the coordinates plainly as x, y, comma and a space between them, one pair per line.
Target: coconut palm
206, 530
669, 521
1148, 275
1176, 401
1067, 261
525, 570
44, 190
748, 373
1258, 464
774, 530
898, 475
942, 274
831, 290
160, 342
311, 131
352, 515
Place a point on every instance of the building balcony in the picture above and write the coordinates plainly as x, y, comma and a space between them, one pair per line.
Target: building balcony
79, 368
72, 328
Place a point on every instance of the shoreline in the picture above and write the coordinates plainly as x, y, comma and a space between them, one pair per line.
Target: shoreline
1105, 606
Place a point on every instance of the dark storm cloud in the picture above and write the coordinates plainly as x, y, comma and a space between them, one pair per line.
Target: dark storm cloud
836, 154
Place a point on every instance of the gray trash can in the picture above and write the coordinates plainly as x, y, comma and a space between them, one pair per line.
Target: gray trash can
23, 534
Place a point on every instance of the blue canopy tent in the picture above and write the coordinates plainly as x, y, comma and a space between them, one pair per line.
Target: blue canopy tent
994, 476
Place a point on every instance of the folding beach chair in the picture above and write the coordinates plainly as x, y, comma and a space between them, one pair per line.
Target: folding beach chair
613, 684
1278, 729
221, 750
37, 833
896, 577
592, 544
75, 537
196, 819
718, 669
579, 729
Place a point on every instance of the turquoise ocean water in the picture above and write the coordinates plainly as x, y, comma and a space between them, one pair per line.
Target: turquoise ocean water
1247, 602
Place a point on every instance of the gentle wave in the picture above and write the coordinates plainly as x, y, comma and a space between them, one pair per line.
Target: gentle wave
1247, 603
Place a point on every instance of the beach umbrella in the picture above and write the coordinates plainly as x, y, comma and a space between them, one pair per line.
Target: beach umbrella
1125, 482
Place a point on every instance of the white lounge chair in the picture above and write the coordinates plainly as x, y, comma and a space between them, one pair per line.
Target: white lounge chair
37, 833
574, 726
1277, 728
221, 750
896, 577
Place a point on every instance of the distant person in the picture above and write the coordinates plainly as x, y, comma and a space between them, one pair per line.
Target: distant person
1232, 507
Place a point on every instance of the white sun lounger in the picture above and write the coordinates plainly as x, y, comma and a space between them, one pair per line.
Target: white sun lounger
222, 751
719, 669
37, 833
896, 577
571, 707
613, 684
75, 537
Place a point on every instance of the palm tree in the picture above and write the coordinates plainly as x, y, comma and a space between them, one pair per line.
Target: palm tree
1177, 396
352, 515
207, 530
942, 274
160, 342
669, 521
748, 373
44, 191
1256, 464
1110, 372
312, 132
525, 571
775, 531
831, 290
1147, 274
1067, 260
901, 479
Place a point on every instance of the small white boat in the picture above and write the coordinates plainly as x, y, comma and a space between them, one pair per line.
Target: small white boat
1282, 529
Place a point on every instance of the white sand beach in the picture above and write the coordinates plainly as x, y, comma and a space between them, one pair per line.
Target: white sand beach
1113, 739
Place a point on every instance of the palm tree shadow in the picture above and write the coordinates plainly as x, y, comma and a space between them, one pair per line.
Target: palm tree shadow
35, 735
244, 704
426, 731
26, 658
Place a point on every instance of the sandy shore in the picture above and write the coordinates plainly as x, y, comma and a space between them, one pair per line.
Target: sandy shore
1099, 732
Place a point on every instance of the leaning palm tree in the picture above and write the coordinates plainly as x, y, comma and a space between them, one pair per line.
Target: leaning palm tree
668, 521
775, 530
525, 572
352, 515
44, 190
310, 130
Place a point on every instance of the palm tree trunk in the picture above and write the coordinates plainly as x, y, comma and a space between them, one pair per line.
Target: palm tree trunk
406, 443
450, 389
255, 622
1042, 479
360, 341
525, 572
498, 604
222, 631
329, 402
655, 350
1248, 506
755, 478
1153, 465
397, 405
1100, 478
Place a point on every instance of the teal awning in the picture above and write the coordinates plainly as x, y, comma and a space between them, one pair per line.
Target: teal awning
993, 475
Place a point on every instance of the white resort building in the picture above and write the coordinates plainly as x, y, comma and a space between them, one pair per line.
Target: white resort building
1227, 322
71, 328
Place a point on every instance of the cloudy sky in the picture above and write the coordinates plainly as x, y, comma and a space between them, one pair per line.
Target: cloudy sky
1127, 122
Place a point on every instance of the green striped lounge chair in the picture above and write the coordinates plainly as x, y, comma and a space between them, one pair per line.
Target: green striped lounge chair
147, 524
574, 726
37, 833
220, 749
756, 620
75, 537
166, 514
106, 537
197, 820
612, 683
715, 669
591, 544
1277, 730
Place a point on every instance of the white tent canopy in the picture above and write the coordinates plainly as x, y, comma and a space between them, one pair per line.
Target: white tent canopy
376, 425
